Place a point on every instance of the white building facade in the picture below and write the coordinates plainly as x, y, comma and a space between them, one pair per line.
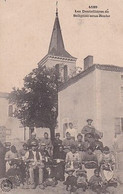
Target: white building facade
96, 93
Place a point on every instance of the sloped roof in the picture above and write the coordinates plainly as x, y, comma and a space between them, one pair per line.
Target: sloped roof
111, 68
56, 47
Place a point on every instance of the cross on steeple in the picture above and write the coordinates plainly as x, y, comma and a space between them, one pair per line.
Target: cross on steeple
56, 47
56, 8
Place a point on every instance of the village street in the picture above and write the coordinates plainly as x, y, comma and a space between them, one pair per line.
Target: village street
59, 189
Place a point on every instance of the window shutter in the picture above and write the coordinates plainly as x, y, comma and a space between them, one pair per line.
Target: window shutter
117, 125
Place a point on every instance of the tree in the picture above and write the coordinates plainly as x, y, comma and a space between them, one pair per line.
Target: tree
37, 102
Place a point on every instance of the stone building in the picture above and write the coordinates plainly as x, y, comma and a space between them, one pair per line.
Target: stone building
96, 93
11, 130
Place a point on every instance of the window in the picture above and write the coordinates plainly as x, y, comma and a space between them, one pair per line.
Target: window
118, 125
121, 93
122, 77
10, 111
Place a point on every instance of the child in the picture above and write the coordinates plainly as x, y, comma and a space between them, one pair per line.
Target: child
71, 181
50, 179
96, 183
82, 179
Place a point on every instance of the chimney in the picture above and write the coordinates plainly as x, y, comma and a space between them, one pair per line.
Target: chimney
65, 73
88, 62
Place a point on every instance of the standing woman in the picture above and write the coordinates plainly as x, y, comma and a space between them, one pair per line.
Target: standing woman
2, 160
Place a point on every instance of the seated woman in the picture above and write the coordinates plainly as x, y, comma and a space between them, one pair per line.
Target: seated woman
90, 162
56, 143
59, 164
68, 142
72, 158
14, 175
11, 155
107, 164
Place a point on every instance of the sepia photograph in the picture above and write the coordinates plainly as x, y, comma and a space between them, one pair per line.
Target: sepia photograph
61, 96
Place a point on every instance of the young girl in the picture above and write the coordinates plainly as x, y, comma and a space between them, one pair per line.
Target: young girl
82, 181
71, 181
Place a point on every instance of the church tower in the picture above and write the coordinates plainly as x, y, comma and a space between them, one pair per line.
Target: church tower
57, 56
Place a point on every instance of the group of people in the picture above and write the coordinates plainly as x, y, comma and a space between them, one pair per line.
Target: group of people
80, 161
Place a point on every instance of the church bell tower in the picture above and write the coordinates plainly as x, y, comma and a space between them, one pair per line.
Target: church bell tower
57, 56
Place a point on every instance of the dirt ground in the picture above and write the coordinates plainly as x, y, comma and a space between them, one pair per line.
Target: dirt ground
59, 189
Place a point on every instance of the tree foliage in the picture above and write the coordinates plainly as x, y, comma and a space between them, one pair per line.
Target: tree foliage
37, 102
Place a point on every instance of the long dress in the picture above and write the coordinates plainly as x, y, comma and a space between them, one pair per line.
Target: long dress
2, 161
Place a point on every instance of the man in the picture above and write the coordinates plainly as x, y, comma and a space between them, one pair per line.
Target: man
56, 144
34, 158
47, 141
89, 129
72, 131
68, 142
33, 138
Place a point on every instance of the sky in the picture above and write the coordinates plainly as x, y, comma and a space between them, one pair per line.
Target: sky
26, 27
